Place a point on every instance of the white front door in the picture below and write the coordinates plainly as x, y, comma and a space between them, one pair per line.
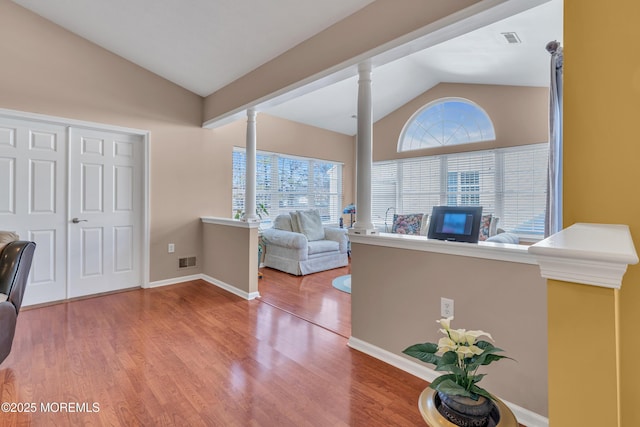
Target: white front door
105, 202
33, 200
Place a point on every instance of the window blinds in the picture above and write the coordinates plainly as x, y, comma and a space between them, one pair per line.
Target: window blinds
509, 183
288, 183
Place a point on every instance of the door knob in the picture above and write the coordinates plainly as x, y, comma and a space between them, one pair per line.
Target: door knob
76, 220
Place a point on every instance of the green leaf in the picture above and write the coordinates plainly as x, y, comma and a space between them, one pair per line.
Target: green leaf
485, 345
449, 358
441, 378
476, 378
454, 369
481, 392
424, 352
450, 387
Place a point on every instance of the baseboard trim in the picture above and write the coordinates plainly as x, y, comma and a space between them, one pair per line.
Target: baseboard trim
174, 281
524, 416
229, 288
212, 281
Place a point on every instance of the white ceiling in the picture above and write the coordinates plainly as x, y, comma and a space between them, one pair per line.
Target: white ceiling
482, 56
211, 43
201, 45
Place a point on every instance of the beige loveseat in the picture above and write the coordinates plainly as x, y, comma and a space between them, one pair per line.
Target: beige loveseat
299, 244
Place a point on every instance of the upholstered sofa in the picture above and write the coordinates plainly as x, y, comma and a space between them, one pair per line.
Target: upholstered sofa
299, 244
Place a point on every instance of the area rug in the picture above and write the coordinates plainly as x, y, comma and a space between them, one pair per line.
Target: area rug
343, 283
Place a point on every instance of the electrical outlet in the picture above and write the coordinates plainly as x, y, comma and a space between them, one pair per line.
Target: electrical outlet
446, 307
171, 248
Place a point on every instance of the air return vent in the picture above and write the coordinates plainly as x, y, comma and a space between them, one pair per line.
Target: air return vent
187, 262
511, 38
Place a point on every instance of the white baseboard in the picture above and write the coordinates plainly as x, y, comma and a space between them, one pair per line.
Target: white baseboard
229, 288
219, 283
174, 281
524, 416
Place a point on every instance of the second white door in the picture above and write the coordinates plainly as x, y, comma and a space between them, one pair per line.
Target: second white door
105, 201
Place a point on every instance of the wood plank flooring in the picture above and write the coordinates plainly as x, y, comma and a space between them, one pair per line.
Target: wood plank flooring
194, 355
310, 297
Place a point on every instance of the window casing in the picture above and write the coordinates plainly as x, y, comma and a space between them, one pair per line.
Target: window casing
288, 183
509, 183
446, 122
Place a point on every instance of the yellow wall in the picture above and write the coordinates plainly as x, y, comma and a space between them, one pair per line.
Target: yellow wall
602, 150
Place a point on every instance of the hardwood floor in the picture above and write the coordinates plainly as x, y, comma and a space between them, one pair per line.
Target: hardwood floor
311, 297
192, 354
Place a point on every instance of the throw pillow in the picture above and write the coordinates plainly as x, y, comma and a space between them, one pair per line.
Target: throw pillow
295, 222
424, 229
282, 222
311, 224
504, 238
485, 227
407, 224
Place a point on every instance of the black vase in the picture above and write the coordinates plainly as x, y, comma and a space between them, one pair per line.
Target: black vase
464, 411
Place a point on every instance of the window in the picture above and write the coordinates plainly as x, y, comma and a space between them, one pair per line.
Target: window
508, 182
287, 183
447, 121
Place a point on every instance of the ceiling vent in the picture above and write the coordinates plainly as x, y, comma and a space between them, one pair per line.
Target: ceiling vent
512, 38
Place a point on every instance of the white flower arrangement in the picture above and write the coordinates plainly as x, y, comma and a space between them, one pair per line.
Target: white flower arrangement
461, 354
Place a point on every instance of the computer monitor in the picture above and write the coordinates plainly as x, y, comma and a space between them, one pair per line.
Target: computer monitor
455, 223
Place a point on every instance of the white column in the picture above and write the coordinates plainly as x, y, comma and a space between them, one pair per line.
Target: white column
250, 190
364, 148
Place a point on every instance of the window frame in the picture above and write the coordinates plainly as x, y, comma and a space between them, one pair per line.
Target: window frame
405, 142
274, 194
438, 193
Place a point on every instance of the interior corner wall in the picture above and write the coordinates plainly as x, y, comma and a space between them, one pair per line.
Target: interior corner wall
48, 70
601, 150
520, 116
278, 135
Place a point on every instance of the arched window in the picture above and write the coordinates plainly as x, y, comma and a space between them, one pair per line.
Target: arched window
444, 122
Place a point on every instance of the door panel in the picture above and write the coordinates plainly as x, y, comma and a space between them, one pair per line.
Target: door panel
106, 197
33, 200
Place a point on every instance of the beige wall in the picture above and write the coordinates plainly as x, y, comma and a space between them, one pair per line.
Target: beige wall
396, 302
379, 23
519, 115
48, 70
231, 255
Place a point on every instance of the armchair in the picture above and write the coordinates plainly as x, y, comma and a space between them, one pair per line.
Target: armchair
15, 263
298, 244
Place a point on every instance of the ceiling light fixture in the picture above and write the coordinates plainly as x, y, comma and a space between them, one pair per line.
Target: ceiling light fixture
512, 38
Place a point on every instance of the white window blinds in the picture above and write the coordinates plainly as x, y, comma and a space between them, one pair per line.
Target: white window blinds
287, 183
509, 183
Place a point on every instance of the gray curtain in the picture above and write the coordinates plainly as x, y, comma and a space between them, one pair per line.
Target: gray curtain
553, 217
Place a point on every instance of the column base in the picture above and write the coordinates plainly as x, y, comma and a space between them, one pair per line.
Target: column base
363, 231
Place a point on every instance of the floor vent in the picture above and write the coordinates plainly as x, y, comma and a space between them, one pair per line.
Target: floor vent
187, 262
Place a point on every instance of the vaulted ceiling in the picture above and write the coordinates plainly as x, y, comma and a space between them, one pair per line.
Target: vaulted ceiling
203, 45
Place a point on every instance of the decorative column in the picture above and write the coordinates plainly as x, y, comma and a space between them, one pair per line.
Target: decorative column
584, 265
364, 158
250, 190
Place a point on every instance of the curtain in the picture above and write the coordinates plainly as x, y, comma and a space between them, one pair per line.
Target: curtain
553, 217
